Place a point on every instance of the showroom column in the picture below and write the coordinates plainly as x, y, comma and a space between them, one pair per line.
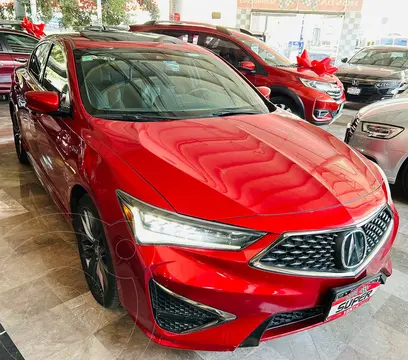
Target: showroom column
176, 10
350, 35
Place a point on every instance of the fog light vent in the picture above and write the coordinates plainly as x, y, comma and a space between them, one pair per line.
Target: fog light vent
179, 315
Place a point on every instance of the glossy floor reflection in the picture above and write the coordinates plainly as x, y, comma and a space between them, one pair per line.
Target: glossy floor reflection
49, 314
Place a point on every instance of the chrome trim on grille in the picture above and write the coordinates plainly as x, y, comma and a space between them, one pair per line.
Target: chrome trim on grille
255, 262
224, 316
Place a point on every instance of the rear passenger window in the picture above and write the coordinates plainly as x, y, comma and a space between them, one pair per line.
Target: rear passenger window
37, 60
20, 43
189, 37
226, 49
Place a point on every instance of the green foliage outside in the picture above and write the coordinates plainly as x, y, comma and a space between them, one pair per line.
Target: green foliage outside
75, 16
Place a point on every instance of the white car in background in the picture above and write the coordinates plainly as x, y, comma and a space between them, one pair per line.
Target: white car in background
380, 132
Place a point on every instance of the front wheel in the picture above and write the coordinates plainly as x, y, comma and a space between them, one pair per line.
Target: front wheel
286, 103
94, 253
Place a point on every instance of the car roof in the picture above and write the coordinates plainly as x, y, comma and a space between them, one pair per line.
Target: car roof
182, 24
388, 47
123, 39
14, 31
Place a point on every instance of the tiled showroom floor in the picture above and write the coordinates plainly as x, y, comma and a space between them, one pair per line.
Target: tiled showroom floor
49, 314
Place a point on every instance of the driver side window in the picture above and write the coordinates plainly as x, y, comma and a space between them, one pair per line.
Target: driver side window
55, 75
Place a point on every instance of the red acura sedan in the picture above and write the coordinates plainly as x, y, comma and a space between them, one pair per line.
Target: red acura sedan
317, 99
215, 219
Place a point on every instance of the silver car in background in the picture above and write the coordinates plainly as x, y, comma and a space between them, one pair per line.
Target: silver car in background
380, 132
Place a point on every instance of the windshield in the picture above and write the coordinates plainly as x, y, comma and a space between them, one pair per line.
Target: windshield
381, 57
161, 84
265, 52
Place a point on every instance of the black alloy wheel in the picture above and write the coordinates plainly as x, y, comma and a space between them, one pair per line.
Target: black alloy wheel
18, 142
94, 253
285, 103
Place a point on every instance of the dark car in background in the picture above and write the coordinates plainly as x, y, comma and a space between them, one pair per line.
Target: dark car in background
375, 73
317, 99
15, 50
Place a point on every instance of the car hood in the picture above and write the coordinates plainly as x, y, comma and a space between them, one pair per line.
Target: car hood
219, 168
393, 111
369, 72
309, 74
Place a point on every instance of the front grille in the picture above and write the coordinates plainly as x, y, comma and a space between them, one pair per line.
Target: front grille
319, 252
353, 127
292, 317
335, 94
369, 93
175, 314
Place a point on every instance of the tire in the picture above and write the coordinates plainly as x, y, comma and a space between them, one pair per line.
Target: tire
403, 179
94, 254
18, 142
286, 103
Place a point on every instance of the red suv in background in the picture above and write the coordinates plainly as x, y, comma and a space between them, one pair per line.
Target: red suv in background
15, 49
318, 99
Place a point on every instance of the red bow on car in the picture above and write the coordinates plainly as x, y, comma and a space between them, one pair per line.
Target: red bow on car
322, 67
34, 29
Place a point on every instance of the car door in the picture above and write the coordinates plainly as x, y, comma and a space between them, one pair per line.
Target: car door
19, 46
57, 139
6, 68
29, 79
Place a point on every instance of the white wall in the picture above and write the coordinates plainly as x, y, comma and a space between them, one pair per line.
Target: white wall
200, 11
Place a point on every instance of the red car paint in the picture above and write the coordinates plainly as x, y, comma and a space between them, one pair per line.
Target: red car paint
12, 57
284, 81
270, 172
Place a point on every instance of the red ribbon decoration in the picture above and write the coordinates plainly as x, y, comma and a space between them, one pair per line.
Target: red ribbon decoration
34, 29
322, 67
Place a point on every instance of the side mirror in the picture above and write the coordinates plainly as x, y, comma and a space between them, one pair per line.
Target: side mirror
43, 101
265, 91
344, 60
248, 66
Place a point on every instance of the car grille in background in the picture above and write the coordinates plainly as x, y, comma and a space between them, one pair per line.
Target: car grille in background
292, 317
317, 252
353, 127
368, 93
176, 315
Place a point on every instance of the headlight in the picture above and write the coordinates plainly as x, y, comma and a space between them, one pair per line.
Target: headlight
386, 183
154, 226
381, 131
388, 84
318, 85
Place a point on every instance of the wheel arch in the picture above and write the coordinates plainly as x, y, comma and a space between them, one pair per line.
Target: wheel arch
77, 192
280, 90
402, 166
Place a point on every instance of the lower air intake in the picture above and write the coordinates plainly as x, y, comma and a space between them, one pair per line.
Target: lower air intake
292, 317
179, 315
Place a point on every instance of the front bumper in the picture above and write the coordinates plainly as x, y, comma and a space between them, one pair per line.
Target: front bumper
369, 93
248, 299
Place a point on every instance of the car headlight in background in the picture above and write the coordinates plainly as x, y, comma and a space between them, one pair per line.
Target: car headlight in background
319, 85
154, 226
381, 131
386, 183
388, 84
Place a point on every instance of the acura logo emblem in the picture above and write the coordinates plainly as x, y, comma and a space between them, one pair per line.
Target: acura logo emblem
355, 82
353, 249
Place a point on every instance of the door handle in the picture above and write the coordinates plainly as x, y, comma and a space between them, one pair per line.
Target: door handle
21, 60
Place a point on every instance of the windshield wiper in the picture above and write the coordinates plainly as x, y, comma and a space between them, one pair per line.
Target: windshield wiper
235, 112
131, 117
